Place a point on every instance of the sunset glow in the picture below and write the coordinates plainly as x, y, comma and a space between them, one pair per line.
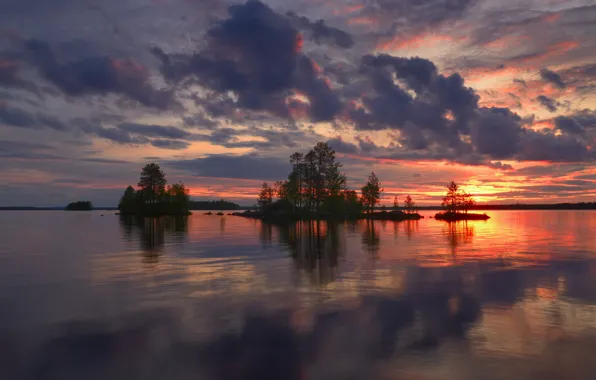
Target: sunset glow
498, 97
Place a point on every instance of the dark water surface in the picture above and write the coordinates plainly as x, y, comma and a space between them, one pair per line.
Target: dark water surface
86, 296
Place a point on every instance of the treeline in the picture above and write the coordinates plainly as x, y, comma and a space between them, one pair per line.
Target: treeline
79, 206
213, 205
316, 187
153, 197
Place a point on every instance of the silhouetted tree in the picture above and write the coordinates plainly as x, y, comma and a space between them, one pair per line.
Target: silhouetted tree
129, 201
409, 205
178, 199
451, 200
371, 192
353, 204
265, 196
152, 182
152, 198
395, 204
457, 200
467, 202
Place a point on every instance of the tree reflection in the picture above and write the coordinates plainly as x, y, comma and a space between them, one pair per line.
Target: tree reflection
314, 245
371, 239
458, 233
151, 233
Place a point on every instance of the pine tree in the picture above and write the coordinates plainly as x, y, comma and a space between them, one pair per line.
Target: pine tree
371, 192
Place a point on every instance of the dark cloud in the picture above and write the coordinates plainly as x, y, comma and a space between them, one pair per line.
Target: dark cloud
342, 146
255, 53
435, 113
498, 133
569, 125
250, 166
159, 131
548, 103
98, 75
547, 146
500, 166
170, 144
52, 122
27, 150
521, 82
586, 117
16, 117
321, 32
589, 177
117, 135
416, 14
439, 112
199, 121
552, 77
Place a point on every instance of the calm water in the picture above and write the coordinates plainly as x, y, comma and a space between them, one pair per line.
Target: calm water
86, 296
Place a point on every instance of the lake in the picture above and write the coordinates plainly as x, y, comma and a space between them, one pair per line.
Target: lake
87, 295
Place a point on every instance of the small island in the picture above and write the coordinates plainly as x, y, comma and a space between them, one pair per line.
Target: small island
457, 203
153, 198
316, 189
79, 206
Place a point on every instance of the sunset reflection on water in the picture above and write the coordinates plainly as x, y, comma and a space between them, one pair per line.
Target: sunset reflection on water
511, 297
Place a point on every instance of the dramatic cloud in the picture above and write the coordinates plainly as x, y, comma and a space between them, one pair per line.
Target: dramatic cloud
467, 85
256, 54
98, 75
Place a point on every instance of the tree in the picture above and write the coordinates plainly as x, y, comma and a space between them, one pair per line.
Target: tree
265, 196
409, 205
371, 192
457, 200
128, 202
467, 202
353, 205
178, 199
451, 199
152, 182
316, 181
395, 204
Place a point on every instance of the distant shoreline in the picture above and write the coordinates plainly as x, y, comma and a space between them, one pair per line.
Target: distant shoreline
514, 207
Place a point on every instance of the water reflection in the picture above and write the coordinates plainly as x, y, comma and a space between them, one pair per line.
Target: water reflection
313, 245
151, 233
371, 238
458, 233
386, 300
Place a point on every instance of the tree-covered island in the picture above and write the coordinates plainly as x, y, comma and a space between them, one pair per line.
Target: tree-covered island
79, 206
457, 203
316, 189
153, 197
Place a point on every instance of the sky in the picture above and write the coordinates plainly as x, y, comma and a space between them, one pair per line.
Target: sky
499, 96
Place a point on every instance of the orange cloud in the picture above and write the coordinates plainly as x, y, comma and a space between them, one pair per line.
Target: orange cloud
551, 17
363, 20
421, 40
348, 9
506, 42
552, 51
299, 43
